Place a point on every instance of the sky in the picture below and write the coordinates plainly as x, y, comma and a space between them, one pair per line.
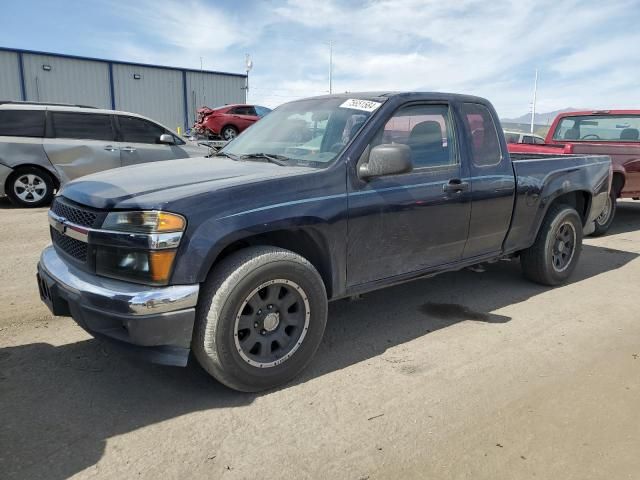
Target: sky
587, 52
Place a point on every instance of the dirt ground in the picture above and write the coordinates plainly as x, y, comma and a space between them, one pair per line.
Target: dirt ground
463, 376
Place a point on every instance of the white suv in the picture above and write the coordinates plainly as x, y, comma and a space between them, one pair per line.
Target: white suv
43, 146
519, 137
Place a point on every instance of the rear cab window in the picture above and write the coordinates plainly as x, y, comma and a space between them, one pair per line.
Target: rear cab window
605, 128
482, 130
82, 126
22, 123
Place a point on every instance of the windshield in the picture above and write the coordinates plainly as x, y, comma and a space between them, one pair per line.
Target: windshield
309, 133
606, 128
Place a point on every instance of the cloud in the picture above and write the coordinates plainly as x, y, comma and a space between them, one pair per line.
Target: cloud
584, 49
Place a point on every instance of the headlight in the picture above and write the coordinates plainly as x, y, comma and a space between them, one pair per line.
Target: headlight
144, 222
151, 267
148, 254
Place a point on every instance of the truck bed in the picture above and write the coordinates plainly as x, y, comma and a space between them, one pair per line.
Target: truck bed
538, 174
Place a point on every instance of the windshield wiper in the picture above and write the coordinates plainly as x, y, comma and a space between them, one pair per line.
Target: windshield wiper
228, 155
271, 157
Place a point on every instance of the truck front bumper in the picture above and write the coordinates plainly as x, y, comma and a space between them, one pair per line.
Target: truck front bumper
156, 322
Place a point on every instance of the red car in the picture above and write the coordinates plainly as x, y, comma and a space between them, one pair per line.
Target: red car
227, 121
615, 133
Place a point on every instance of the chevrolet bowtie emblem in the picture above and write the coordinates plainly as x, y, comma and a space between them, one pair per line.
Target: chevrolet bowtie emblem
60, 226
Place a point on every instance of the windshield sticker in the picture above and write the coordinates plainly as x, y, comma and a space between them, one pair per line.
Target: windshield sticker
358, 104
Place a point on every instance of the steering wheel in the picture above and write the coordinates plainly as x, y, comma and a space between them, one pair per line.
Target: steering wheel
596, 137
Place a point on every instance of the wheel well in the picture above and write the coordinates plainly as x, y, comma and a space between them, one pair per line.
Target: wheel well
579, 200
17, 168
229, 125
617, 183
303, 242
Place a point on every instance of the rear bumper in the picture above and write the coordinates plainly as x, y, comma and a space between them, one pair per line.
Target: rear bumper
155, 322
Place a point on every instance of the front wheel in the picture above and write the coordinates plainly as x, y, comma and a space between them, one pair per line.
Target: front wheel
554, 255
605, 219
260, 318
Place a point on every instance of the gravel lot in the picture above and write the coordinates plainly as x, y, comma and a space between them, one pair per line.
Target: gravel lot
466, 375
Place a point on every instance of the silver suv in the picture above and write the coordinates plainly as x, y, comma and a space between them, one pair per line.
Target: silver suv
43, 146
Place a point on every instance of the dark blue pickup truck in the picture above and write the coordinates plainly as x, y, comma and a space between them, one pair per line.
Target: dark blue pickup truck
235, 256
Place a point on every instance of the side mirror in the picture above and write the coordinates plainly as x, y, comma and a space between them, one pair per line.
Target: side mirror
168, 139
387, 159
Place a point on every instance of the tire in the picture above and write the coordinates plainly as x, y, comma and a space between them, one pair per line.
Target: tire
604, 221
30, 187
546, 262
229, 132
227, 350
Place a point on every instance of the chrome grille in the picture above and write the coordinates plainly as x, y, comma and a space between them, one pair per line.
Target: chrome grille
73, 214
71, 246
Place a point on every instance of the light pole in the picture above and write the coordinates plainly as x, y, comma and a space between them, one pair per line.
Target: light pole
533, 103
248, 65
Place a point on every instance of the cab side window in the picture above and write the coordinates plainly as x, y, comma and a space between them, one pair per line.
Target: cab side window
247, 110
426, 129
22, 123
82, 126
485, 144
138, 130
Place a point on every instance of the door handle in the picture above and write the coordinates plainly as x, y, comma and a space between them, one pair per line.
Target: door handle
127, 149
110, 148
455, 185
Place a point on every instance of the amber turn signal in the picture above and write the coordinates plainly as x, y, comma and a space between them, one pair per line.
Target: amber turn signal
160, 263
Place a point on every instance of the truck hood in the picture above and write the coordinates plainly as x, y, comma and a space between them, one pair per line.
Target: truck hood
155, 185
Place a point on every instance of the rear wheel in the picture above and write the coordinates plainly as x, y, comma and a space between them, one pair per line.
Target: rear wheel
30, 187
605, 219
553, 257
229, 132
260, 318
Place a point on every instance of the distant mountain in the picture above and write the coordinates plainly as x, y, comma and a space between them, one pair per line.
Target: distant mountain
540, 118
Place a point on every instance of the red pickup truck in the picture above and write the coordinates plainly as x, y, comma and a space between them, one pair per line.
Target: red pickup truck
603, 132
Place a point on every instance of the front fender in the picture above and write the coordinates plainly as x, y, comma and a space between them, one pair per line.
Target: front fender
322, 219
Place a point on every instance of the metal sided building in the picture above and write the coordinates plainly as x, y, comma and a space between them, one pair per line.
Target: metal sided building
166, 94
